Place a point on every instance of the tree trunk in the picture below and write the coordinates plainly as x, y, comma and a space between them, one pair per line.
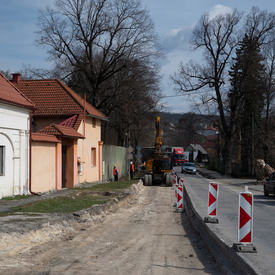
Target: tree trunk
226, 157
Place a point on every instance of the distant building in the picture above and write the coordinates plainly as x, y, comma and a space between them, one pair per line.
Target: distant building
197, 153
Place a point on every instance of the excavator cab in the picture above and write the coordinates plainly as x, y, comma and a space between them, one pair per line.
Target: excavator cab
162, 165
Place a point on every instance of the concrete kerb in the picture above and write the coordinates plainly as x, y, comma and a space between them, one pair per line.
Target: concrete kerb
228, 260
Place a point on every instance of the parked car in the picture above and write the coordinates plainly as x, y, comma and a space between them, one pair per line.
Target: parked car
269, 185
189, 167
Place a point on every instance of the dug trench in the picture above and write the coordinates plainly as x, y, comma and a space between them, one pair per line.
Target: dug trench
136, 232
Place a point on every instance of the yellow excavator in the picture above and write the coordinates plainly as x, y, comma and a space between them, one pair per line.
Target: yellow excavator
158, 167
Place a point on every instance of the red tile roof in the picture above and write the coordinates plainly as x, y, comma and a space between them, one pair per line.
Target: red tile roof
10, 94
68, 131
49, 130
59, 130
52, 97
69, 122
45, 138
91, 110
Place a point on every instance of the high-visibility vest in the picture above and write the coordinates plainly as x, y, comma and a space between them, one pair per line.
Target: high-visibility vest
133, 167
115, 172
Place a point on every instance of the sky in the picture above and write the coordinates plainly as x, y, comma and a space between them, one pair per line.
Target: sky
174, 21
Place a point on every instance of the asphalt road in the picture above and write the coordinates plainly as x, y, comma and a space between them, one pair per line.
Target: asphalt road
145, 236
264, 224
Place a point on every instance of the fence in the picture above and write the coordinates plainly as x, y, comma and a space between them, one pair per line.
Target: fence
114, 156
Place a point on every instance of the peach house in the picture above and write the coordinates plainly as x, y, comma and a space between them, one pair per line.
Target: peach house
66, 136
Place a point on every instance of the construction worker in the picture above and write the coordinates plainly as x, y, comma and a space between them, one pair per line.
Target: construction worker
115, 173
132, 170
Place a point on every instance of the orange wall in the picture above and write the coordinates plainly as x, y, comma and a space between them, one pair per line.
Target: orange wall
43, 166
92, 138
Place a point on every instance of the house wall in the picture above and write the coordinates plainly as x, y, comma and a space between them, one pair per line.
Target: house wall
14, 136
92, 139
43, 162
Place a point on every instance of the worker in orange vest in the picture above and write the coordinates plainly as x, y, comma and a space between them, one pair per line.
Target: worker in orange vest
132, 169
115, 173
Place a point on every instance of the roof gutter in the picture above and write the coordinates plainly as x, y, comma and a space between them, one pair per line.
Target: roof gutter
98, 117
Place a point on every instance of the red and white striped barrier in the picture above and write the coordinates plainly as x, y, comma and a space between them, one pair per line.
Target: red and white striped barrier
212, 203
213, 199
180, 198
176, 191
245, 228
181, 181
245, 224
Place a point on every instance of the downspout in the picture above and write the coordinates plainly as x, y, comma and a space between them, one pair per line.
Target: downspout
30, 157
84, 115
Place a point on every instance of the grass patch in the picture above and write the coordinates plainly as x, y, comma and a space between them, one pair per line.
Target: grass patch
79, 198
17, 197
112, 186
63, 204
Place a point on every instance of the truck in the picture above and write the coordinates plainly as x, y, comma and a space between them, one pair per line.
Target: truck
158, 165
178, 157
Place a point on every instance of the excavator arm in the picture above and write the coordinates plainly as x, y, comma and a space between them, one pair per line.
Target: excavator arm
158, 140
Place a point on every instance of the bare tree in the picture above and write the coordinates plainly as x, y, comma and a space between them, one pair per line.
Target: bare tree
259, 25
135, 103
218, 38
97, 38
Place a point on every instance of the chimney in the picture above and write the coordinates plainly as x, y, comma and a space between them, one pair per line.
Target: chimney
15, 78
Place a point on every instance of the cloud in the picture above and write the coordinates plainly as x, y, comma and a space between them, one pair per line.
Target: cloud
177, 49
30, 4
219, 10
176, 39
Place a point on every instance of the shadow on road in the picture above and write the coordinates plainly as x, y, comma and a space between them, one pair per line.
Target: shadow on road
262, 200
199, 246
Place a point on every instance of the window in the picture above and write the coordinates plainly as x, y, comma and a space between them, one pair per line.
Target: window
93, 122
93, 157
2, 151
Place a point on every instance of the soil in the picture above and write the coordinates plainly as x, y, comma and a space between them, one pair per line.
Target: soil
140, 234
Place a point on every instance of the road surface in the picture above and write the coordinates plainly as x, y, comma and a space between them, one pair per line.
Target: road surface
264, 223
145, 236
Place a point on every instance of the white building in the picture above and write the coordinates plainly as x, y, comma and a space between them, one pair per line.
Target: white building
15, 110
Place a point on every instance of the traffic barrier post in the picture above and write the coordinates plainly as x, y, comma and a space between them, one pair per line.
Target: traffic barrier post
213, 194
245, 223
181, 181
179, 198
176, 191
